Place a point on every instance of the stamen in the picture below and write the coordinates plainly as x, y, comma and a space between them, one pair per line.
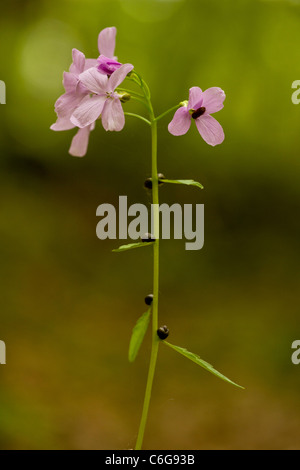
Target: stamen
199, 112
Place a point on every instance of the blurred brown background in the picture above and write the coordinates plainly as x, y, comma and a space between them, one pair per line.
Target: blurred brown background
68, 304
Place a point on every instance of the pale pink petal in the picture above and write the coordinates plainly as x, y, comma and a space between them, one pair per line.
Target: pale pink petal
107, 41
213, 99
78, 62
210, 130
113, 118
118, 76
62, 124
80, 142
181, 122
94, 81
88, 111
64, 108
67, 103
70, 81
81, 89
89, 63
195, 98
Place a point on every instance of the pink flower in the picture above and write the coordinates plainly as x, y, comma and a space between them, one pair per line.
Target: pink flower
107, 42
68, 102
199, 108
104, 100
107, 62
107, 66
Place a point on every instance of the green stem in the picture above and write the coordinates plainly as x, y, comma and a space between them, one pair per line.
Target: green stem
139, 117
141, 101
155, 339
167, 112
131, 92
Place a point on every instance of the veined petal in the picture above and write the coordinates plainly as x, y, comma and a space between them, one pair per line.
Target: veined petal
210, 130
195, 98
88, 111
78, 62
80, 142
62, 124
213, 99
94, 81
118, 76
181, 122
70, 81
113, 118
107, 41
89, 63
67, 103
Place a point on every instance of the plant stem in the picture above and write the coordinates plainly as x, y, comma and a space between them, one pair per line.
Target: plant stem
139, 117
155, 228
167, 112
131, 92
135, 98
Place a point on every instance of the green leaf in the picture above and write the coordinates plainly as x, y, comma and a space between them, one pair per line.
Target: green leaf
187, 182
193, 357
131, 246
138, 334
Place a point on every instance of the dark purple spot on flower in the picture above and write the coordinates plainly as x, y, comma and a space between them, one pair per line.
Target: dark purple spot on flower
199, 112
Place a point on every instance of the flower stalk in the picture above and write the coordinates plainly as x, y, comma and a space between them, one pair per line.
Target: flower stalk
156, 230
93, 94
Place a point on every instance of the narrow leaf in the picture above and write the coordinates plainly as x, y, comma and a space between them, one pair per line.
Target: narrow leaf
138, 334
131, 246
193, 357
187, 182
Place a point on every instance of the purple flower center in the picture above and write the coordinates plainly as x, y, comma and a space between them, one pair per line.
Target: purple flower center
107, 66
198, 112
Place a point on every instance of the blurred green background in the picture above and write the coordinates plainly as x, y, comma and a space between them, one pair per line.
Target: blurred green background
68, 304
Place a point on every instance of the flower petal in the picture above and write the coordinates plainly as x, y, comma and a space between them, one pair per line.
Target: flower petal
195, 98
118, 76
113, 118
106, 65
213, 99
89, 63
181, 122
80, 142
70, 81
94, 81
62, 124
107, 41
88, 111
67, 103
210, 130
78, 62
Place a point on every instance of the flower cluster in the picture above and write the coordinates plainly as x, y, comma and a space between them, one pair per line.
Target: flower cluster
91, 94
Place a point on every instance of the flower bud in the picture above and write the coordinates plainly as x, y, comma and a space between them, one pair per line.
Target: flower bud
149, 299
148, 183
161, 177
124, 97
184, 103
163, 332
